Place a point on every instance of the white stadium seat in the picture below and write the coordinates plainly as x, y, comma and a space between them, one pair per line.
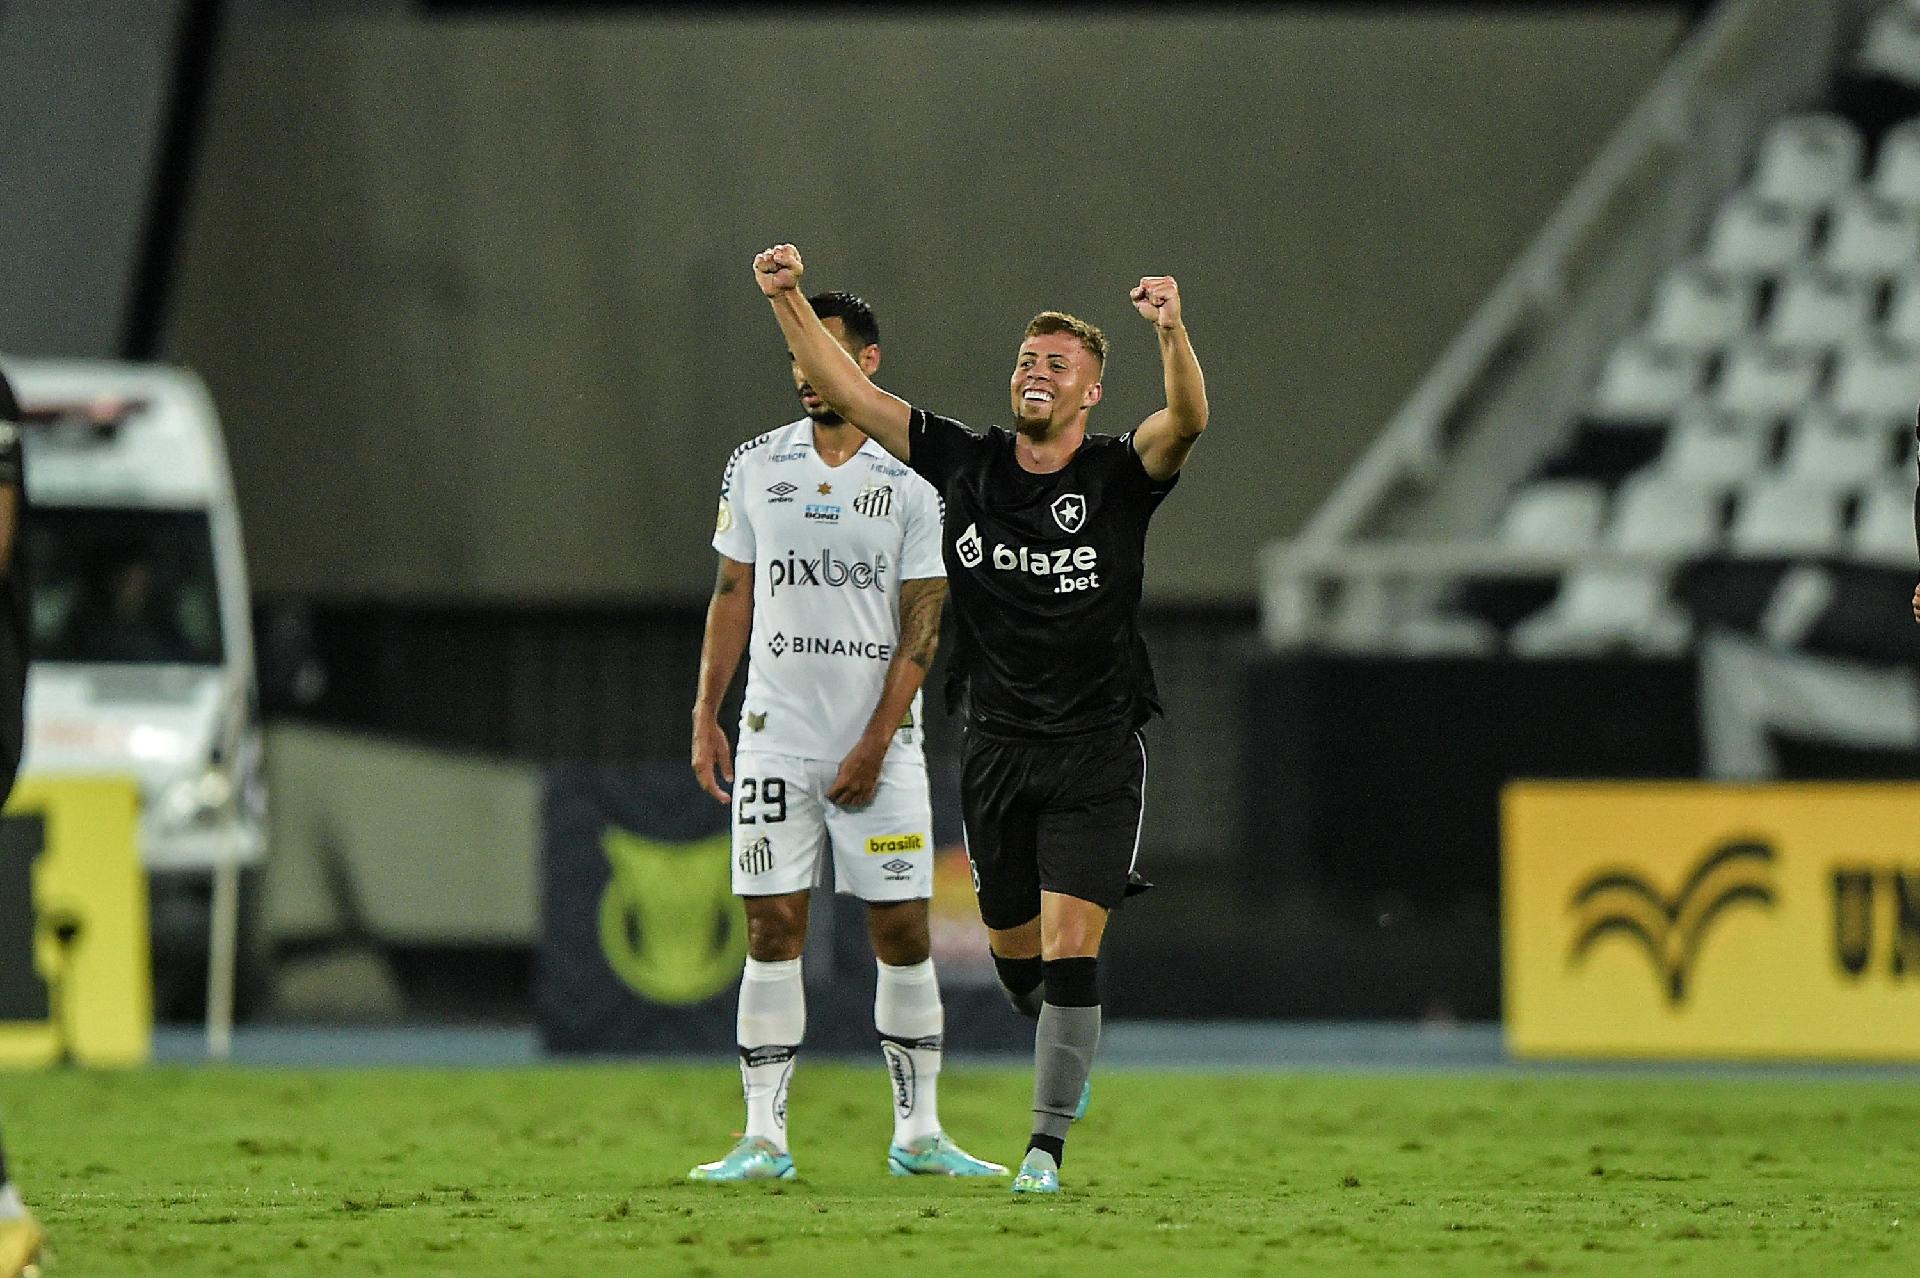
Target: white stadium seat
1751, 236
1699, 308
1825, 450
1707, 449
1602, 608
1657, 513
1643, 380
1821, 309
1871, 236
1784, 516
1902, 326
1877, 379
1555, 514
1760, 379
1808, 161
1883, 532
1896, 173
1892, 45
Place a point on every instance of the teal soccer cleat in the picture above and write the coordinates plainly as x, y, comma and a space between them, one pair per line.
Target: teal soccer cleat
754, 1158
937, 1155
1039, 1174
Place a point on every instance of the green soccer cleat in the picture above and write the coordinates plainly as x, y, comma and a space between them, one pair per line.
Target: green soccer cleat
754, 1158
1086, 1098
1039, 1174
937, 1155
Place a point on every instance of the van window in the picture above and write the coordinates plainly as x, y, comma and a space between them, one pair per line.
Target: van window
116, 585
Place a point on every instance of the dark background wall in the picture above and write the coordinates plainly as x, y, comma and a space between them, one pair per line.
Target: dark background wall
474, 298
84, 96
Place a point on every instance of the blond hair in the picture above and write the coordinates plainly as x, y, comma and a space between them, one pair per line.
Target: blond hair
1060, 322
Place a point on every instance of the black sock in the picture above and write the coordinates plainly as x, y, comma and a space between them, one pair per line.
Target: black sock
1053, 1145
1072, 982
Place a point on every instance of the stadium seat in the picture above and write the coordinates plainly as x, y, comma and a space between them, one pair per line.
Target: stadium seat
1760, 379
1698, 308
1751, 236
1883, 532
1657, 513
1707, 449
1599, 609
1877, 379
1902, 325
1871, 237
1645, 381
1825, 450
1563, 514
1819, 309
1787, 517
1808, 161
1896, 173
1892, 45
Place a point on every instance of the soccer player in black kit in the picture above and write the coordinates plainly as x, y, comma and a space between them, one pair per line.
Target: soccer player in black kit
1044, 542
20, 1236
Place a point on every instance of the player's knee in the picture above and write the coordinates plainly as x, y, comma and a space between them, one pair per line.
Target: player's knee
900, 934
776, 931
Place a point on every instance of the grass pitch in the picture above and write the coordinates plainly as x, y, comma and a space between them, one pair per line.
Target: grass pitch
581, 1171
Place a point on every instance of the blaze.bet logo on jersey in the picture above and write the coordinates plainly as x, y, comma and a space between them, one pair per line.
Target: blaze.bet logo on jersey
1073, 568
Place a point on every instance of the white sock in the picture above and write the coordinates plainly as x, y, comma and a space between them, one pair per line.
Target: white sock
907, 1012
11, 1208
772, 1020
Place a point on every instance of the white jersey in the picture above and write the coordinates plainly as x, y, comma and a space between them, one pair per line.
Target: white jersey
829, 546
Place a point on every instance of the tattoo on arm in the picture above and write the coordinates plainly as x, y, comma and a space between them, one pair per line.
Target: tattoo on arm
920, 604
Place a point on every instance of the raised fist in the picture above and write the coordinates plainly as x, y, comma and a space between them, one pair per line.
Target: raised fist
778, 270
1158, 298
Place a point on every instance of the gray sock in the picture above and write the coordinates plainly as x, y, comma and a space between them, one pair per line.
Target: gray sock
1063, 1048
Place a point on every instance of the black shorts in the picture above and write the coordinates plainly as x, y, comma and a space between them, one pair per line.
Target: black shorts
1056, 817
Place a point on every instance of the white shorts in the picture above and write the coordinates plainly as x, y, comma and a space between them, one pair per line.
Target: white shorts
782, 820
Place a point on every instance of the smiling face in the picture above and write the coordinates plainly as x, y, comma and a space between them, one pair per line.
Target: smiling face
1056, 380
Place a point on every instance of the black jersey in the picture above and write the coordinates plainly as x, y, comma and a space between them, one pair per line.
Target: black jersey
15, 599
1044, 572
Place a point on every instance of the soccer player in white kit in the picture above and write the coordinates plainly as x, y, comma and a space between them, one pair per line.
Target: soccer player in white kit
830, 571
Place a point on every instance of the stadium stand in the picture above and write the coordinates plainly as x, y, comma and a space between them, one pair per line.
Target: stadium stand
1723, 385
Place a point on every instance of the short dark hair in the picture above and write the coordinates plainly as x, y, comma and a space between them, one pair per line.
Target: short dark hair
852, 310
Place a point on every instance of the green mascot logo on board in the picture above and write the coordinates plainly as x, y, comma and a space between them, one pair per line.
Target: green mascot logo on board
670, 925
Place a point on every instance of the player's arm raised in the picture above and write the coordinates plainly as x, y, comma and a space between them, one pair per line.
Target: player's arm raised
729, 623
921, 600
1164, 439
828, 367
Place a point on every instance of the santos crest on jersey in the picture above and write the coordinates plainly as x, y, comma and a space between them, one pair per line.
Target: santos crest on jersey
829, 546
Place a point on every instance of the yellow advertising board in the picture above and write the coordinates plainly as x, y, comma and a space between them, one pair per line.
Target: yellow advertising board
77, 962
1697, 920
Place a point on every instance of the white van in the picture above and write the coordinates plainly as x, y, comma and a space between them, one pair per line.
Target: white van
142, 634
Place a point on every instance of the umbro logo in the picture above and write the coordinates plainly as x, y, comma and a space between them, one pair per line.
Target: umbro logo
1672, 930
896, 866
782, 491
1069, 511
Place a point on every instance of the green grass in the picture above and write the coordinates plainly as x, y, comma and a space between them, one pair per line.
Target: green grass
579, 1171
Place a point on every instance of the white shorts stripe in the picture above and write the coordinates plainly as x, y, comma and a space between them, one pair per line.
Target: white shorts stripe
1141, 824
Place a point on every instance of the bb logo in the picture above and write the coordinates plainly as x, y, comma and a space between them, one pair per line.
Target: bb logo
1672, 931
968, 549
670, 926
1069, 511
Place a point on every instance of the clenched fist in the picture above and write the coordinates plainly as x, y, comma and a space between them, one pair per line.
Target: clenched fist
1158, 298
778, 270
